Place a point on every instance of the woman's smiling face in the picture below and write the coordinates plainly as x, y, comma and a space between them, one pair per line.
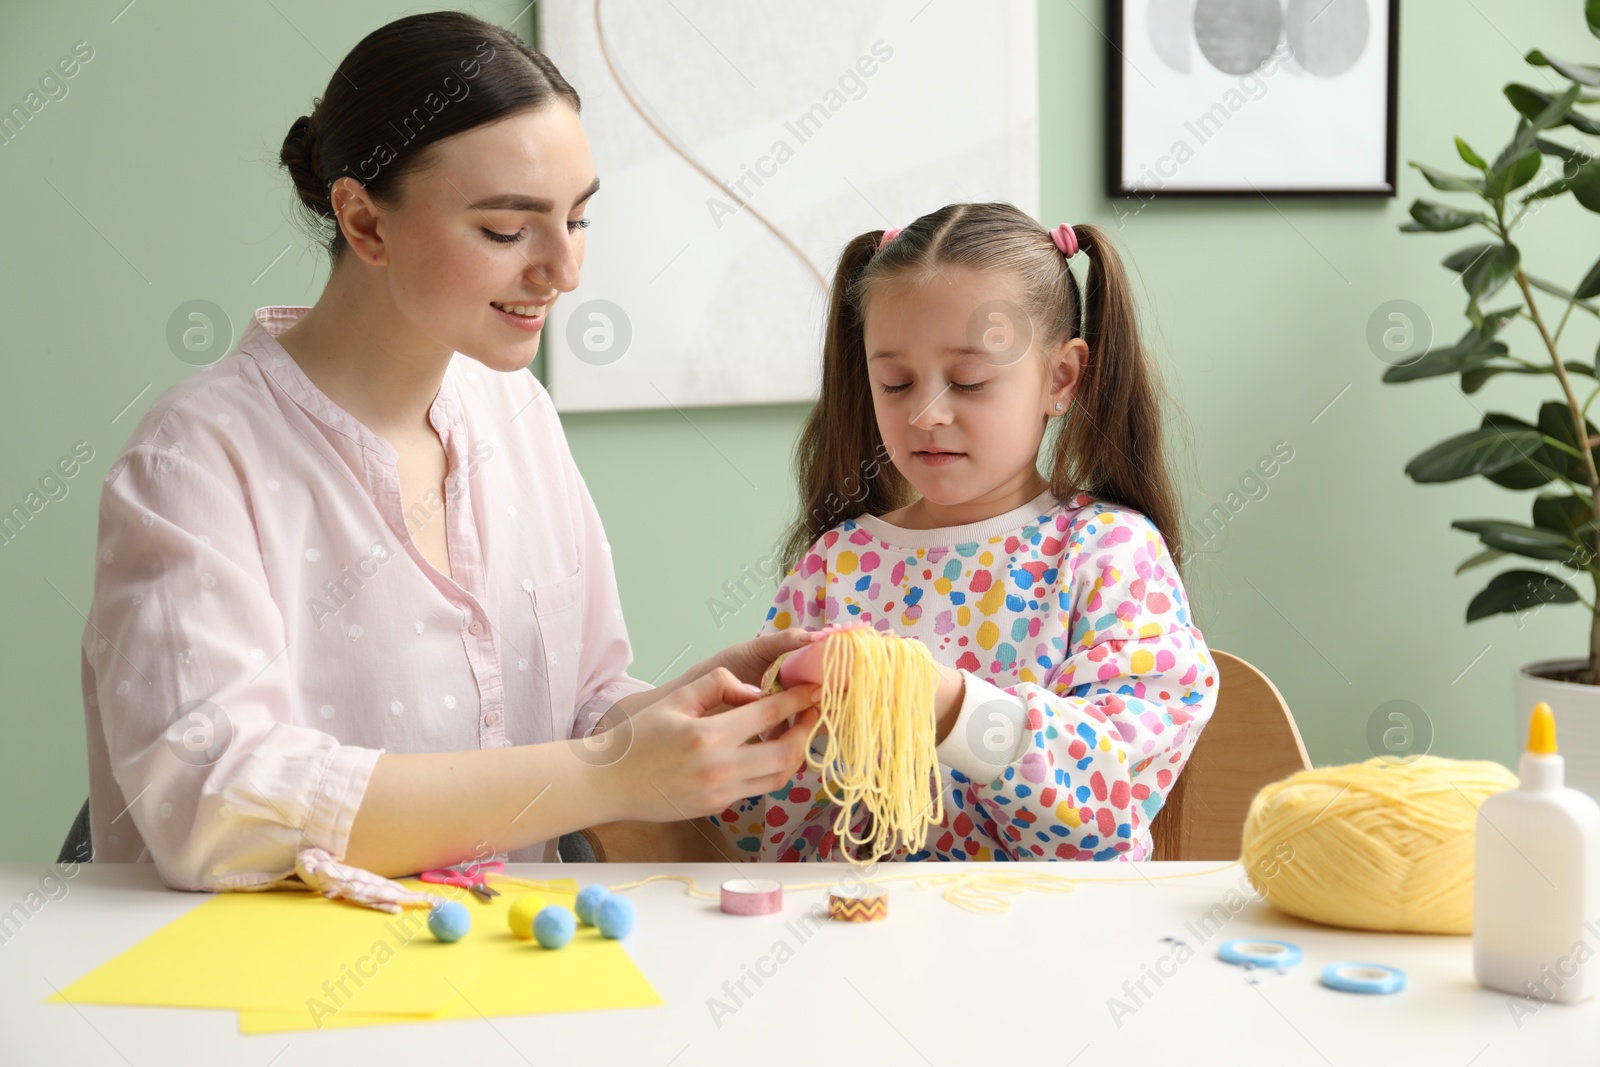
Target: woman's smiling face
494, 220
963, 421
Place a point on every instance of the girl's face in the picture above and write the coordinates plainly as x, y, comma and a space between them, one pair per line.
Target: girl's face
495, 222
960, 385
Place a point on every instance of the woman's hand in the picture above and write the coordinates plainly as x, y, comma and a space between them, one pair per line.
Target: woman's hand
749, 660
686, 755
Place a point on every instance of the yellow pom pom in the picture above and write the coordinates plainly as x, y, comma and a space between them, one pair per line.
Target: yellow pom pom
521, 916
1380, 845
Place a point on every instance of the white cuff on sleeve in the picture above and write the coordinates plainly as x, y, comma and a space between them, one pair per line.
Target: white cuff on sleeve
337, 797
990, 731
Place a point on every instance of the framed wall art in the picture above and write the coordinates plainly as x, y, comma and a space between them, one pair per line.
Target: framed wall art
1251, 97
740, 146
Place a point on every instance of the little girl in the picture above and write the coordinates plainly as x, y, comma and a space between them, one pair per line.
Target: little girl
1074, 683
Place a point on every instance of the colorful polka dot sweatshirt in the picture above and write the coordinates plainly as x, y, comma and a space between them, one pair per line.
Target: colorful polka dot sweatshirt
1087, 683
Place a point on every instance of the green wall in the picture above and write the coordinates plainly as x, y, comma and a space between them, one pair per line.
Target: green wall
153, 182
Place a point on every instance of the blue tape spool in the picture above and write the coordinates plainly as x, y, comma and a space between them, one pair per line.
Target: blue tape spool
1259, 952
1363, 978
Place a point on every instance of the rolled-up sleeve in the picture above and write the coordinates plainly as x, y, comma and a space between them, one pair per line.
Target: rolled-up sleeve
186, 660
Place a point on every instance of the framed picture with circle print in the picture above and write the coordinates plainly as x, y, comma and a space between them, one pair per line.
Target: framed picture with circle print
1251, 97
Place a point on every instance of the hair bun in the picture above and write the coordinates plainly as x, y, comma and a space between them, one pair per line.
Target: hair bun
299, 157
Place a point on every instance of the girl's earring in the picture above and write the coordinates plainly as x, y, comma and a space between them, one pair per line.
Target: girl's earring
1058, 406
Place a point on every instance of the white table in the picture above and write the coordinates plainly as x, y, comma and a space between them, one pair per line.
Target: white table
930, 985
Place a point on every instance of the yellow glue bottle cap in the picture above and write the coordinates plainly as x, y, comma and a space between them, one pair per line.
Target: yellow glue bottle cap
1542, 730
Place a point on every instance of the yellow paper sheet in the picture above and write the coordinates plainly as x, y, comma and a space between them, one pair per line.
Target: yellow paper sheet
590, 973
290, 961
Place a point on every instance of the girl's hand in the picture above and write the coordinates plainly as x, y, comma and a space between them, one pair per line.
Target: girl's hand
805, 668
749, 660
687, 755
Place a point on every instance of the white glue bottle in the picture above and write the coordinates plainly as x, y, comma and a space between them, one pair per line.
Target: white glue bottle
1536, 888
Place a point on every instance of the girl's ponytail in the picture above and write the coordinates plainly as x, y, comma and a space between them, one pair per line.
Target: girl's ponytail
841, 465
1111, 444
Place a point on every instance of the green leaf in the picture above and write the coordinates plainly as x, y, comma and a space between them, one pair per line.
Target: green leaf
1585, 185
1473, 349
1571, 515
1591, 14
1544, 111
1555, 422
1530, 541
1578, 72
1474, 378
1574, 156
1556, 291
1590, 286
1524, 474
1519, 590
1514, 175
1500, 318
1487, 273
1488, 555
1480, 451
1544, 192
1527, 100
1449, 182
1439, 218
1539, 112
1470, 157
1582, 179
1564, 512
1461, 260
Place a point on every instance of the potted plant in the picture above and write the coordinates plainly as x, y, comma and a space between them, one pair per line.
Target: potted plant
1555, 452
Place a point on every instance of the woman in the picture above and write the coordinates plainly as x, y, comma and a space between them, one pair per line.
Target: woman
351, 591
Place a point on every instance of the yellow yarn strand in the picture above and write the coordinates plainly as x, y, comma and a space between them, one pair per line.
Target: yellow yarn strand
1380, 845
877, 705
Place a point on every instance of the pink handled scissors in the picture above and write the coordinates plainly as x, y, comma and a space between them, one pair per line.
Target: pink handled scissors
473, 879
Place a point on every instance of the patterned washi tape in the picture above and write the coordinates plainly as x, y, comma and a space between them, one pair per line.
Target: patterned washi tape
751, 896
857, 905
1259, 952
1363, 978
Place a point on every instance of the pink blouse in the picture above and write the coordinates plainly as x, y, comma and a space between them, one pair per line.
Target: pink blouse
263, 628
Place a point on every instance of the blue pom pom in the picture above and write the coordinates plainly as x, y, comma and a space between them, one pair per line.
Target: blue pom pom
589, 898
449, 921
614, 917
554, 926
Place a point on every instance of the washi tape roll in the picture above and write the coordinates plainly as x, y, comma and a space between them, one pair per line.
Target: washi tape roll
1258, 952
858, 905
1363, 978
751, 896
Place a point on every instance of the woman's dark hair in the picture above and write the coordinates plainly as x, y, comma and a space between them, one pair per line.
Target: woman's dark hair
1110, 443
403, 88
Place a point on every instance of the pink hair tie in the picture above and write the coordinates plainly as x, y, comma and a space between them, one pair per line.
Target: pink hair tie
1065, 240
888, 235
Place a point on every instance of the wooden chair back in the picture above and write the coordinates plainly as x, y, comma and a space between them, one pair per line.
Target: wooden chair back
1251, 740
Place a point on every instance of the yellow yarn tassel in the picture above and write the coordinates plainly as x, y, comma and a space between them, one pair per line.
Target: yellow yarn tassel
881, 748
1380, 845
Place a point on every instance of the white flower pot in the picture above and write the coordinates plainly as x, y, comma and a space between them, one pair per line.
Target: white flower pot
1577, 712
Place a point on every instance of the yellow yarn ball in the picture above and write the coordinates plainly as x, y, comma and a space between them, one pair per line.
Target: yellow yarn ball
1380, 845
